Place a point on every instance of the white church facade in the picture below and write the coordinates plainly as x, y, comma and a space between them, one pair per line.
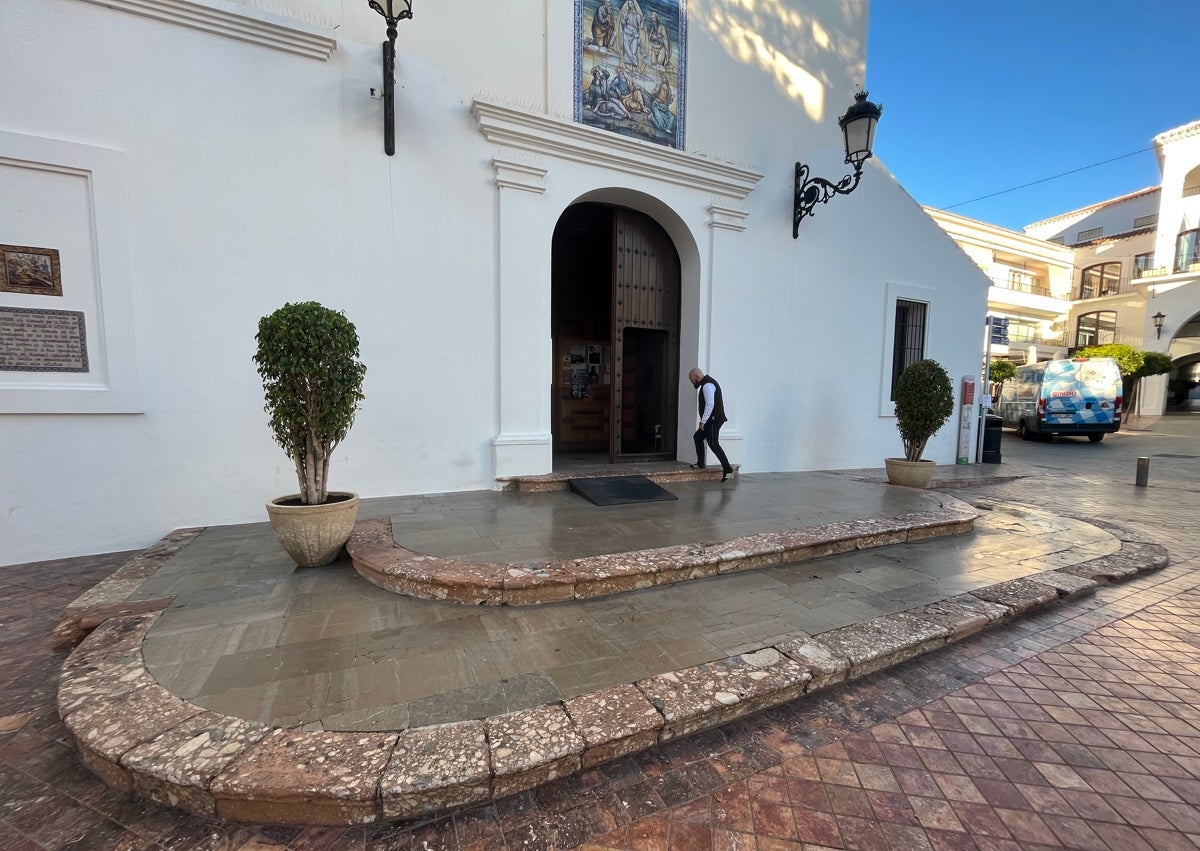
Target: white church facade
574, 216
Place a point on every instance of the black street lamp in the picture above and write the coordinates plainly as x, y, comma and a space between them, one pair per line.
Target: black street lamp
858, 128
389, 68
1159, 318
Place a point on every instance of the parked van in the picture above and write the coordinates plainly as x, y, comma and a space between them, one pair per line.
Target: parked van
1076, 396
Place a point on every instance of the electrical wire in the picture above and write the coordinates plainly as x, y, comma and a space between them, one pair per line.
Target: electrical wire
1045, 179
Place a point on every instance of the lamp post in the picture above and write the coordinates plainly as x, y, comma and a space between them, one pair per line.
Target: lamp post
1158, 318
392, 17
858, 129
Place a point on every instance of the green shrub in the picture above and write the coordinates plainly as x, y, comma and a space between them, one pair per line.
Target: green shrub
308, 359
924, 401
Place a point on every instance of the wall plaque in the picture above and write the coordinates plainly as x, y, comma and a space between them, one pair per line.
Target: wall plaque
42, 340
25, 269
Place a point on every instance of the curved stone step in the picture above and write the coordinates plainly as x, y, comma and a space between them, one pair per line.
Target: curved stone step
139, 737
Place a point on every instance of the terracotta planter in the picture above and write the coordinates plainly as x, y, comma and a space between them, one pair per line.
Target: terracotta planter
313, 535
912, 474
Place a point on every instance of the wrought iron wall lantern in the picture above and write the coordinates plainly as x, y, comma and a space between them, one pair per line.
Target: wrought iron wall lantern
393, 17
1159, 318
858, 129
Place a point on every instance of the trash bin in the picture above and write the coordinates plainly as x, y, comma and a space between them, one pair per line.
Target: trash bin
991, 439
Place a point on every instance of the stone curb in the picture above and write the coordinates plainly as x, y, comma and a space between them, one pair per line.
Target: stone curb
139, 737
382, 562
108, 598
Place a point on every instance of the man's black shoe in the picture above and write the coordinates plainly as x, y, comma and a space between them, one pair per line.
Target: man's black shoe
696, 466
725, 475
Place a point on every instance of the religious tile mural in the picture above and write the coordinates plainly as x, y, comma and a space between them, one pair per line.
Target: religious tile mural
631, 67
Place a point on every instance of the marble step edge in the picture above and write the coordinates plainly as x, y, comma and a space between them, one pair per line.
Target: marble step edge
660, 474
378, 559
140, 738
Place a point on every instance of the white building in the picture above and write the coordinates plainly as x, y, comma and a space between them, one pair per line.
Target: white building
172, 170
1137, 257
1030, 284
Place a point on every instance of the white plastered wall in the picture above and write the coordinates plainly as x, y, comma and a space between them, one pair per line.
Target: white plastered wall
256, 176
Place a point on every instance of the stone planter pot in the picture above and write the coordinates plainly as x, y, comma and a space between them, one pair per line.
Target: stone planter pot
313, 535
912, 474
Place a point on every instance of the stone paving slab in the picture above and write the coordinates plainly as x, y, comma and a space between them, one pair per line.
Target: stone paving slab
140, 737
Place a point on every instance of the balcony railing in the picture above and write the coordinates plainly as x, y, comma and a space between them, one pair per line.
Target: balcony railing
1031, 284
1029, 337
1109, 287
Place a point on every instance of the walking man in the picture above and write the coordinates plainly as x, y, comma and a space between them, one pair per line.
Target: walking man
712, 417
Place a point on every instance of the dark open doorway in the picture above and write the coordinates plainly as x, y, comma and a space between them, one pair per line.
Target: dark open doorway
615, 328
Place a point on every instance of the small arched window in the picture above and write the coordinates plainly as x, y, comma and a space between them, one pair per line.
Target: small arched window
1101, 279
1096, 329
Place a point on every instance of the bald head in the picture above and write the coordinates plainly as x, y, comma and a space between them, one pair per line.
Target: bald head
696, 376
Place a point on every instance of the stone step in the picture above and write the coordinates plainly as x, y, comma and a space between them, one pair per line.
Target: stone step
661, 472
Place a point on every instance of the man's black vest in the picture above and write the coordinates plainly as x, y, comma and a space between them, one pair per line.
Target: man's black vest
718, 414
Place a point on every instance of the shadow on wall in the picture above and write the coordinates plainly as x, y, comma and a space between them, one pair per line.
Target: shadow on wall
786, 40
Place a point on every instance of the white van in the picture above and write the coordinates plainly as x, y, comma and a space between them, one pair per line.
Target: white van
1076, 396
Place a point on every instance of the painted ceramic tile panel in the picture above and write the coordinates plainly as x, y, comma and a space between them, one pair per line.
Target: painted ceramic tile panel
631, 67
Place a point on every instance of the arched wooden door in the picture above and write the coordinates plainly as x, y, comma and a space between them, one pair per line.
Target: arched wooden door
645, 335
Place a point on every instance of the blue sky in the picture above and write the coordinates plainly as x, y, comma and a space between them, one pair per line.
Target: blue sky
983, 97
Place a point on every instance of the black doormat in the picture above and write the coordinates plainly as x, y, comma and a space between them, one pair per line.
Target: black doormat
619, 490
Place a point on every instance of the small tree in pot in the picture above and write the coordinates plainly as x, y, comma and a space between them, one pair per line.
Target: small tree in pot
308, 360
924, 401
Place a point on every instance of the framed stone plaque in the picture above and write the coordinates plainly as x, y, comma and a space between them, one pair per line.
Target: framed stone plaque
42, 340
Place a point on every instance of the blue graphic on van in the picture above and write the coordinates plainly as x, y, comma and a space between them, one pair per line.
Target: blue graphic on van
1079, 396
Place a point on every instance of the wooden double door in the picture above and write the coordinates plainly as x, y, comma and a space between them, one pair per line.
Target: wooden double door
615, 318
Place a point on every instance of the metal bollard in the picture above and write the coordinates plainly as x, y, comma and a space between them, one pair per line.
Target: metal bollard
1143, 472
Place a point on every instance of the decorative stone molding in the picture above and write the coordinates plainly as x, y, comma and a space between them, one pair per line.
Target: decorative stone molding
518, 174
527, 130
236, 21
726, 215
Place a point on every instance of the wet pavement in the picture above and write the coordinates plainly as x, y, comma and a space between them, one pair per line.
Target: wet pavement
1122, 691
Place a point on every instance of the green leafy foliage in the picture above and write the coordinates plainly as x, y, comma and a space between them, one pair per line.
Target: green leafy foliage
924, 401
1129, 360
1156, 363
308, 360
1134, 365
1000, 371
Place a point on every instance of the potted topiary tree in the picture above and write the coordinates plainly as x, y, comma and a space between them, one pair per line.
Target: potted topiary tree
924, 401
308, 359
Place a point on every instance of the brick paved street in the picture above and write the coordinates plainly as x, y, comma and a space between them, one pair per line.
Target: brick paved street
1078, 727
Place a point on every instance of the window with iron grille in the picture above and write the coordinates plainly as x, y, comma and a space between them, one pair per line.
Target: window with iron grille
1090, 233
1096, 329
908, 344
1101, 279
1145, 221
